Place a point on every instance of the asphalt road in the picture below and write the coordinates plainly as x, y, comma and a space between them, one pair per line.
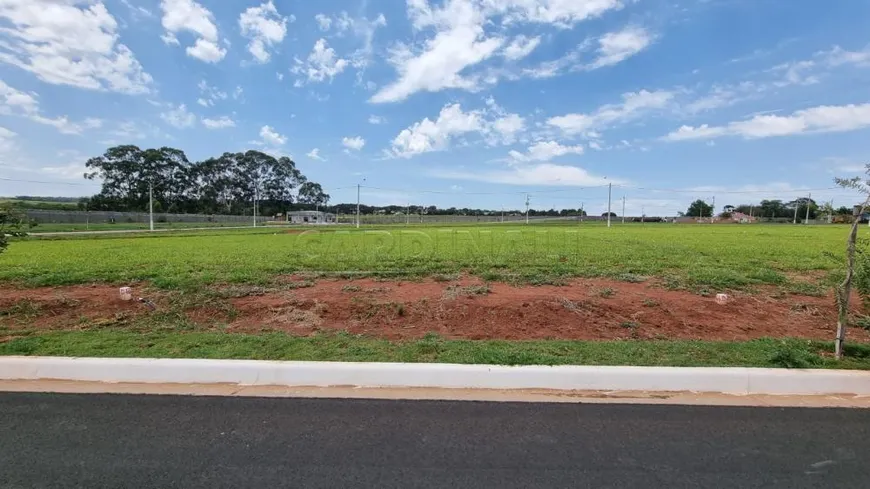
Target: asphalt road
53, 440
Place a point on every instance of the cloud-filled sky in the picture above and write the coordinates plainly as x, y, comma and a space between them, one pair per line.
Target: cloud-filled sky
465, 103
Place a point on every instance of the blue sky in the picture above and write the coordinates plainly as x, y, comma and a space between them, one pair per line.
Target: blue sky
466, 103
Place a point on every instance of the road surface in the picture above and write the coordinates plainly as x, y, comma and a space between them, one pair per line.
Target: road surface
57, 440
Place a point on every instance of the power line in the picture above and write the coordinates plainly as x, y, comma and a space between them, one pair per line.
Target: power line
47, 183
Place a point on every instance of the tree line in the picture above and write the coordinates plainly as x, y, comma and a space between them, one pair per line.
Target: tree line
227, 184
770, 209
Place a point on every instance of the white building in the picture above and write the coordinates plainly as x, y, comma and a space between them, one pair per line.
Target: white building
310, 217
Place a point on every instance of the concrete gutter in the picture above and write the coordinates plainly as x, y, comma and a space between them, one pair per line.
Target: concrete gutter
735, 381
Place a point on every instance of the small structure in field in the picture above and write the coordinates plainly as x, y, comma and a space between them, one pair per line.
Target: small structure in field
310, 217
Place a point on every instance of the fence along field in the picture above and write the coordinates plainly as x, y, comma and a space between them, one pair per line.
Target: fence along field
420, 293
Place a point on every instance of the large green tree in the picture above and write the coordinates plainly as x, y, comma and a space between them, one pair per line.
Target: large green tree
699, 208
229, 183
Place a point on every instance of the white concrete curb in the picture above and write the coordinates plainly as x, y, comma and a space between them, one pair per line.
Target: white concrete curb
746, 381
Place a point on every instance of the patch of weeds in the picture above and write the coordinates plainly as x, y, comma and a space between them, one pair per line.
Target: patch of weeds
445, 277
24, 308
490, 276
704, 292
807, 289
304, 284
547, 279
455, 291
790, 356
351, 288
863, 322
378, 290
801, 308
604, 292
570, 305
673, 282
237, 291
629, 325
631, 278
650, 303
399, 308
430, 345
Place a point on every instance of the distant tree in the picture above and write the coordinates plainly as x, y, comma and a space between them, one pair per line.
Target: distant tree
312, 193
12, 224
612, 214
801, 205
699, 208
729, 209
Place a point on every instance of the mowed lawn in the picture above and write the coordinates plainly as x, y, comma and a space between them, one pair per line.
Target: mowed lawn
722, 256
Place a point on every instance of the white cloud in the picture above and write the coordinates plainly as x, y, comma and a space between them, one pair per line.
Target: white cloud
314, 154
67, 45
355, 143
210, 94
504, 130
219, 123
543, 174
322, 64
270, 136
179, 117
264, 27
633, 105
440, 63
376, 119
796, 73
615, 47
562, 13
7, 140
545, 151
188, 15
16, 102
323, 21
521, 47
71, 171
459, 40
813, 120
425, 136
137, 10
701, 132
838, 56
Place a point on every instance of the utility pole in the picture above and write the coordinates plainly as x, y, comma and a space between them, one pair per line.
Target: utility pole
502, 213
796, 207
527, 208
582, 211
609, 199
150, 205
623, 209
713, 211
642, 214
408, 215
357, 206
809, 198
256, 194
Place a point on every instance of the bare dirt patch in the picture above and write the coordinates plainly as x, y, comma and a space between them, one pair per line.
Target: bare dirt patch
594, 309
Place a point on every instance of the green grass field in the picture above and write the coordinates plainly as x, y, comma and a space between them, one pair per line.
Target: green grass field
787, 353
696, 256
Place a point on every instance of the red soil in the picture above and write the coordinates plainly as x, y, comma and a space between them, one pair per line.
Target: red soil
586, 309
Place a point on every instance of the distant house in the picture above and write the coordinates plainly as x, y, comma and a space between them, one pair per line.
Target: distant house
310, 217
743, 218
